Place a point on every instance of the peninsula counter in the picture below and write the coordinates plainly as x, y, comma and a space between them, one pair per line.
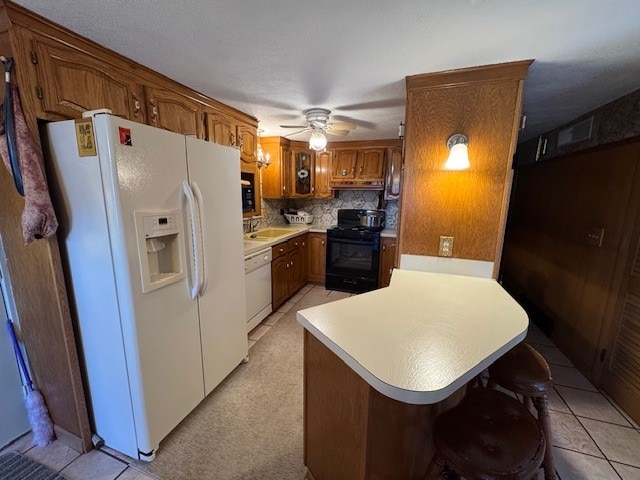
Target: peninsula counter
379, 367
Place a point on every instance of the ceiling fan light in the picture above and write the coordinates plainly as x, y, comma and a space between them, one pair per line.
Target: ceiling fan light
317, 141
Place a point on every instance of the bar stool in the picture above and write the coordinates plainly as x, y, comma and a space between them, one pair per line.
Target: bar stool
524, 371
489, 435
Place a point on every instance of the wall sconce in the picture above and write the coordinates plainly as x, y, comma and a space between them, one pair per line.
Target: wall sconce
317, 140
458, 155
263, 160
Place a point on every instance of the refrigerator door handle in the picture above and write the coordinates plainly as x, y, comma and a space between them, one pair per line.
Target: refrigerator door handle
203, 246
195, 240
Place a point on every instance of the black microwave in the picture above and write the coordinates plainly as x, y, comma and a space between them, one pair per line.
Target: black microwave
248, 193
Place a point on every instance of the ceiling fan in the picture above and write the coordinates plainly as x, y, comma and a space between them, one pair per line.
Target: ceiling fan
318, 120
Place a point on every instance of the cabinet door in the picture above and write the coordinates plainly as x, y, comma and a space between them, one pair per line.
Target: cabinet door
317, 257
370, 165
297, 263
287, 168
304, 257
302, 172
344, 165
323, 175
220, 129
174, 112
394, 170
296, 271
74, 82
246, 136
279, 281
387, 260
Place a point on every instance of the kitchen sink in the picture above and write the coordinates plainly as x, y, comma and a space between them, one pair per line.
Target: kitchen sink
267, 234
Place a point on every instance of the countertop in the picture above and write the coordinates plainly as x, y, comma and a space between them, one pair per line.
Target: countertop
424, 336
253, 246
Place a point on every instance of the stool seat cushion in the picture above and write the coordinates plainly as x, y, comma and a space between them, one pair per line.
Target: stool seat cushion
522, 370
489, 435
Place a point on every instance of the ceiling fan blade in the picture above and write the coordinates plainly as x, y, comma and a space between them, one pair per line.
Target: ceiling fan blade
336, 133
342, 126
295, 133
294, 126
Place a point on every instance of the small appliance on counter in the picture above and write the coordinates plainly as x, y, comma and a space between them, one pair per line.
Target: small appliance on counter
353, 251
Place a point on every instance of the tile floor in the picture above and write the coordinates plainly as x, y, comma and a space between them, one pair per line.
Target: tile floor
593, 438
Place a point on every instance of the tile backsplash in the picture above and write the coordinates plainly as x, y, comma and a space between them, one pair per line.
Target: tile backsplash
325, 210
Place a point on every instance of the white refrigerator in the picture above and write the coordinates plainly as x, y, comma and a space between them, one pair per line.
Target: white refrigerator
151, 234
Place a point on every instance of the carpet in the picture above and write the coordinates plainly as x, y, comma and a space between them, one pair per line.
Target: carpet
14, 466
251, 425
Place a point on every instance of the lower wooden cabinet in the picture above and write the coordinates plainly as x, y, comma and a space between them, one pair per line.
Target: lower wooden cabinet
317, 257
387, 260
288, 269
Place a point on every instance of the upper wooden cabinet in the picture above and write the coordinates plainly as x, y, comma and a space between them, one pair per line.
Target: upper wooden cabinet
303, 173
276, 175
70, 82
358, 168
220, 129
172, 111
393, 175
246, 136
344, 165
349, 165
224, 130
293, 172
322, 180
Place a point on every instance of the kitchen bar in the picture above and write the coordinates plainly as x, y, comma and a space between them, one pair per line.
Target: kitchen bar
380, 366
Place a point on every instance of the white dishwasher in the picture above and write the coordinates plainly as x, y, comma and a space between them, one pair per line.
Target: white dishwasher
257, 269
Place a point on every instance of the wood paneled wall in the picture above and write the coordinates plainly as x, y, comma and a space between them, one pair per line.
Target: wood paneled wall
484, 104
547, 259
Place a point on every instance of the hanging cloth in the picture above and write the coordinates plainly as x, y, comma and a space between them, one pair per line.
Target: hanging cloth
23, 158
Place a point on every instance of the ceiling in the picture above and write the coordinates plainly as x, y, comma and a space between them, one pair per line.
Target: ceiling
274, 59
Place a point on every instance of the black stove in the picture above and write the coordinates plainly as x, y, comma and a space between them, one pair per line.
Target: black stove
353, 254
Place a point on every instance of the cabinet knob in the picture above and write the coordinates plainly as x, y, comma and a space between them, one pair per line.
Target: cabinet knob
292, 263
287, 265
384, 247
322, 242
281, 250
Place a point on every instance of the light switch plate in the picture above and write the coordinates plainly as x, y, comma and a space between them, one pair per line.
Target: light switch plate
446, 247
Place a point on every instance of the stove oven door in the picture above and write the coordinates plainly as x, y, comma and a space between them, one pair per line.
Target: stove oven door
352, 264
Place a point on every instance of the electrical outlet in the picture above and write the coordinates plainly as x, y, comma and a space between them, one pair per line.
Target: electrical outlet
446, 247
594, 236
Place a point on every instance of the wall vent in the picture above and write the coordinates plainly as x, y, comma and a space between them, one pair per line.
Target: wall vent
577, 132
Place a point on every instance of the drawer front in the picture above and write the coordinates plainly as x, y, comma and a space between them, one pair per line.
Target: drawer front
280, 250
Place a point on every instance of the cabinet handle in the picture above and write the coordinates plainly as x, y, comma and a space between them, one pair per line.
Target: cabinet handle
281, 250
154, 111
384, 247
360, 169
292, 263
287, 265
322, 242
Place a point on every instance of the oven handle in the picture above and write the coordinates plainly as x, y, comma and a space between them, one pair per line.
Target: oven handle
373, 242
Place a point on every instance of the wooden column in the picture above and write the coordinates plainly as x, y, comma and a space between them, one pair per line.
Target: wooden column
38, 288
484, 104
